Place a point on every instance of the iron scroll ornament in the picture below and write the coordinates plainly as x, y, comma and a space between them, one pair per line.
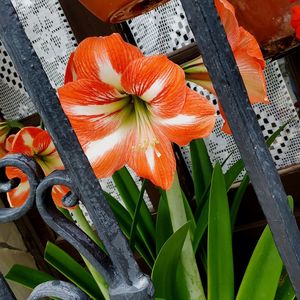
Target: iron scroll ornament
59, 289
67, 229
134, 284
75, 236
34, 174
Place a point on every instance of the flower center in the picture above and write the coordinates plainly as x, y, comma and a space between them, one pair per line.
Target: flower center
145, 134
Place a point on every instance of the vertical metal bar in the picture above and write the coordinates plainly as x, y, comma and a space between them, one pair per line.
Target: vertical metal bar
5, 291
220, 62
37, 84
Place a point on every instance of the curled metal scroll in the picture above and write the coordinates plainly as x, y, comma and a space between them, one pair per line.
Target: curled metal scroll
67, 229
33, 172
59, 289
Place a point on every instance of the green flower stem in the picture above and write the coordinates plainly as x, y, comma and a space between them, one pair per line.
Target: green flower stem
82, 223
188, 261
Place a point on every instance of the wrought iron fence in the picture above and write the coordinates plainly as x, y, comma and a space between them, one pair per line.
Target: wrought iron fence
119, 267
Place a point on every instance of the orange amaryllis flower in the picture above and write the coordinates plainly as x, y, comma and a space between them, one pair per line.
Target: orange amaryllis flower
248, 57
127, 109
5, 128
295, 22
33, 142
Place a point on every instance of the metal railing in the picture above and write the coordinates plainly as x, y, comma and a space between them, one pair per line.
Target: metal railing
119, 268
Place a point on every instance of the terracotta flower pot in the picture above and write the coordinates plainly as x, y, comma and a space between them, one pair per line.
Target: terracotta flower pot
269, 21
114, 11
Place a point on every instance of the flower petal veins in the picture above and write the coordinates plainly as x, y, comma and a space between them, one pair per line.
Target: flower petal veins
157, 81
104, 59
127, 109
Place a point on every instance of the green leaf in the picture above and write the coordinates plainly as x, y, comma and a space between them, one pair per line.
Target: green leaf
263, 272
190, 275
28, 277
72, 270
285, 290
273, 137
163, 223
165, 266
232, 173
201, 168
235, 171
200, 227
189, 214
262, 275
125, 221
130, 196
219, 250
136, 215
237, 199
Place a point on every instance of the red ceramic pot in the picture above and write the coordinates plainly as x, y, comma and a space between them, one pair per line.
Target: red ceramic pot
115, 11
269, 21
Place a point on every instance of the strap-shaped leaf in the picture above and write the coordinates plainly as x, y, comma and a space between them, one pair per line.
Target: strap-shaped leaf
262, 275
219, 250
130, 196
201, 169
72, 270
28, 277
165, 267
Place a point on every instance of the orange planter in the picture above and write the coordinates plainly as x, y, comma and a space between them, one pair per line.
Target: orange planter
268, 20
114, 11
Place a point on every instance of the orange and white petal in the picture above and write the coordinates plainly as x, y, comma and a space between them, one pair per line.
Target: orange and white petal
104, 58
58, 193
157, 81
253, 77
42, 144
3, 150
23, 141
227, 14
196, 120
70, 74
154, 162
248, 45
94, 109
82, 97
17, 196
9, 142
4, 130
110, 153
